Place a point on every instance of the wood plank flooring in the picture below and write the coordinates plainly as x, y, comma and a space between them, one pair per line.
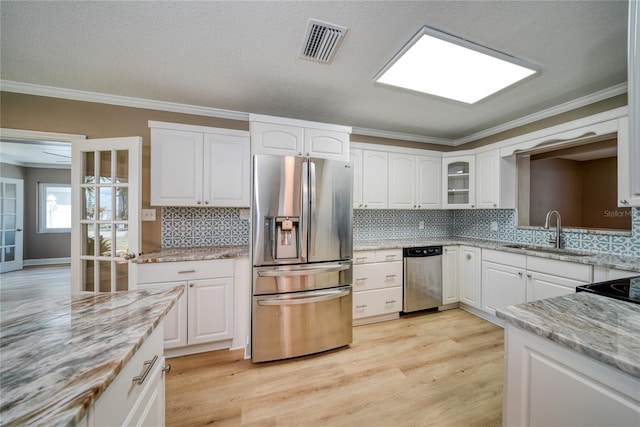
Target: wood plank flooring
35, 283
442, 368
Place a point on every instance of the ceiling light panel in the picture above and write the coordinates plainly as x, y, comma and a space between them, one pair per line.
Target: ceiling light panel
443, 65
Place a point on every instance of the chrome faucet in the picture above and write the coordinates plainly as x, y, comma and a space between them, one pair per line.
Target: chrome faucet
555, 241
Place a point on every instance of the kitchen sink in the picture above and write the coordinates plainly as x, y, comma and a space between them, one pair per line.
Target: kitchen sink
548, 250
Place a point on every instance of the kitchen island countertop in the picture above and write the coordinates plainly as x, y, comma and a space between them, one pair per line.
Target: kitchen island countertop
60, 354
622, 262
194, 254
602, 328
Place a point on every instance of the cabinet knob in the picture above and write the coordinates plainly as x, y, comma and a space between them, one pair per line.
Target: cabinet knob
495, 205
414, 206
529, 276
520, 273
473, 206
198, 202
623, 202
468, 256
365, 206
167, 368
206, 202
191, 285
419, 206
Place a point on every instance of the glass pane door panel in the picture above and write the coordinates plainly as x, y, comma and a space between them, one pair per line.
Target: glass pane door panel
10, 191
458, 197
9, 206
105, 203
88, 275
88, 167
105, 167
122, 276
9, 238
459, 182
88, 239
10, 222
122, 207
458, 168
9, 253
106, 240
88, 203
122, 166
122, 239
104, 277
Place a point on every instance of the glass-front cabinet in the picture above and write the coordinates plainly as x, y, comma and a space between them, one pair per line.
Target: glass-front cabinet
458, 182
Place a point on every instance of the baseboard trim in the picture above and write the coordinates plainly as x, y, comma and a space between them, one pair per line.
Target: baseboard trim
45, 261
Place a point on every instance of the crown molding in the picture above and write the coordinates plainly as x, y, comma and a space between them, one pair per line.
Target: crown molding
101, 98
544, 114
125, 101
402, 136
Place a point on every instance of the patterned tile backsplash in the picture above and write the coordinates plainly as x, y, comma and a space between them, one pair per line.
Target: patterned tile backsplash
194, 227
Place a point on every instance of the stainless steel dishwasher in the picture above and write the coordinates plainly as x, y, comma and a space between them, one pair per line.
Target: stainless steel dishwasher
422, 278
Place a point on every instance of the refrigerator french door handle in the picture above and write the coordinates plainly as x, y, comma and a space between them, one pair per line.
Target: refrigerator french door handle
307, 299
306, 223
303, 271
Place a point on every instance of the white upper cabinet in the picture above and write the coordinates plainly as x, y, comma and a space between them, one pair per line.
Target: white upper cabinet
631, 159
627, 196
199, 166
428, 179
271, 138
374, 179
402, 181
355, 156
495, 180
414, 181
458, 183
288, 137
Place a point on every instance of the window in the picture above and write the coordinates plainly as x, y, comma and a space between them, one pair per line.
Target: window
54, 208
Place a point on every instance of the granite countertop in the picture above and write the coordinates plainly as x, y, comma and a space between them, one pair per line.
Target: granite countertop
194, 254
60, 354
599, 327
602, 260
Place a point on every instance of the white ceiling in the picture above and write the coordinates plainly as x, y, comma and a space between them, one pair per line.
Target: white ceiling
243, 56
36, 154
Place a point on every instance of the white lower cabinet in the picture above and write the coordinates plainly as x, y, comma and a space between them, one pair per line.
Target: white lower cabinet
470, 276
138, 402
204, 314
450, 275
377, 285
509, 278
603, 274
549, 385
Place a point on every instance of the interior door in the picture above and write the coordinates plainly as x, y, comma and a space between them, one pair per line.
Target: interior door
11, 219
105, 232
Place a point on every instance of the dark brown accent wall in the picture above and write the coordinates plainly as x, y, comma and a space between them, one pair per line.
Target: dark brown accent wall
599, 196
556, 184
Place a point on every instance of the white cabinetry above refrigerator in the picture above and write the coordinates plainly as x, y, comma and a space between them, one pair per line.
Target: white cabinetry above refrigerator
199, 166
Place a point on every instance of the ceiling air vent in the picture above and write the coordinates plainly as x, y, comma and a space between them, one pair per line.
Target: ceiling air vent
321, 41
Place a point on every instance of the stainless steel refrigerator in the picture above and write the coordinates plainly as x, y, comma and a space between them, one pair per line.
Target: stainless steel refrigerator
301, 251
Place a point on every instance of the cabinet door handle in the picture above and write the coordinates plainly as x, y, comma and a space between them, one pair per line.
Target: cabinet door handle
186, 271
148, 364
391, 276
167, 368
391, 256
361, 306
390, 302
359, 279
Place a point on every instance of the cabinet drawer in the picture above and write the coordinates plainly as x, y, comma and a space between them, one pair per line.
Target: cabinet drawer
377, 302
570, 270
184, 270
381, 255
364, 257
506, 258
375, 276
121, 396
388, 255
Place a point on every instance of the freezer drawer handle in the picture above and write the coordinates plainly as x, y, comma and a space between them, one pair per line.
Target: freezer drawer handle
324, 296
303, 272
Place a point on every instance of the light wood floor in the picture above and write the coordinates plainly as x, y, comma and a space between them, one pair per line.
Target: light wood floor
431, 369
35, 282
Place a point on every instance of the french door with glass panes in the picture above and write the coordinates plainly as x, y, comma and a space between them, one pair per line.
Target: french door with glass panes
105, 232
11, 218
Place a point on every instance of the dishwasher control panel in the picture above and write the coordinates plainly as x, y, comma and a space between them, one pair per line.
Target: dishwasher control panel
423, 251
